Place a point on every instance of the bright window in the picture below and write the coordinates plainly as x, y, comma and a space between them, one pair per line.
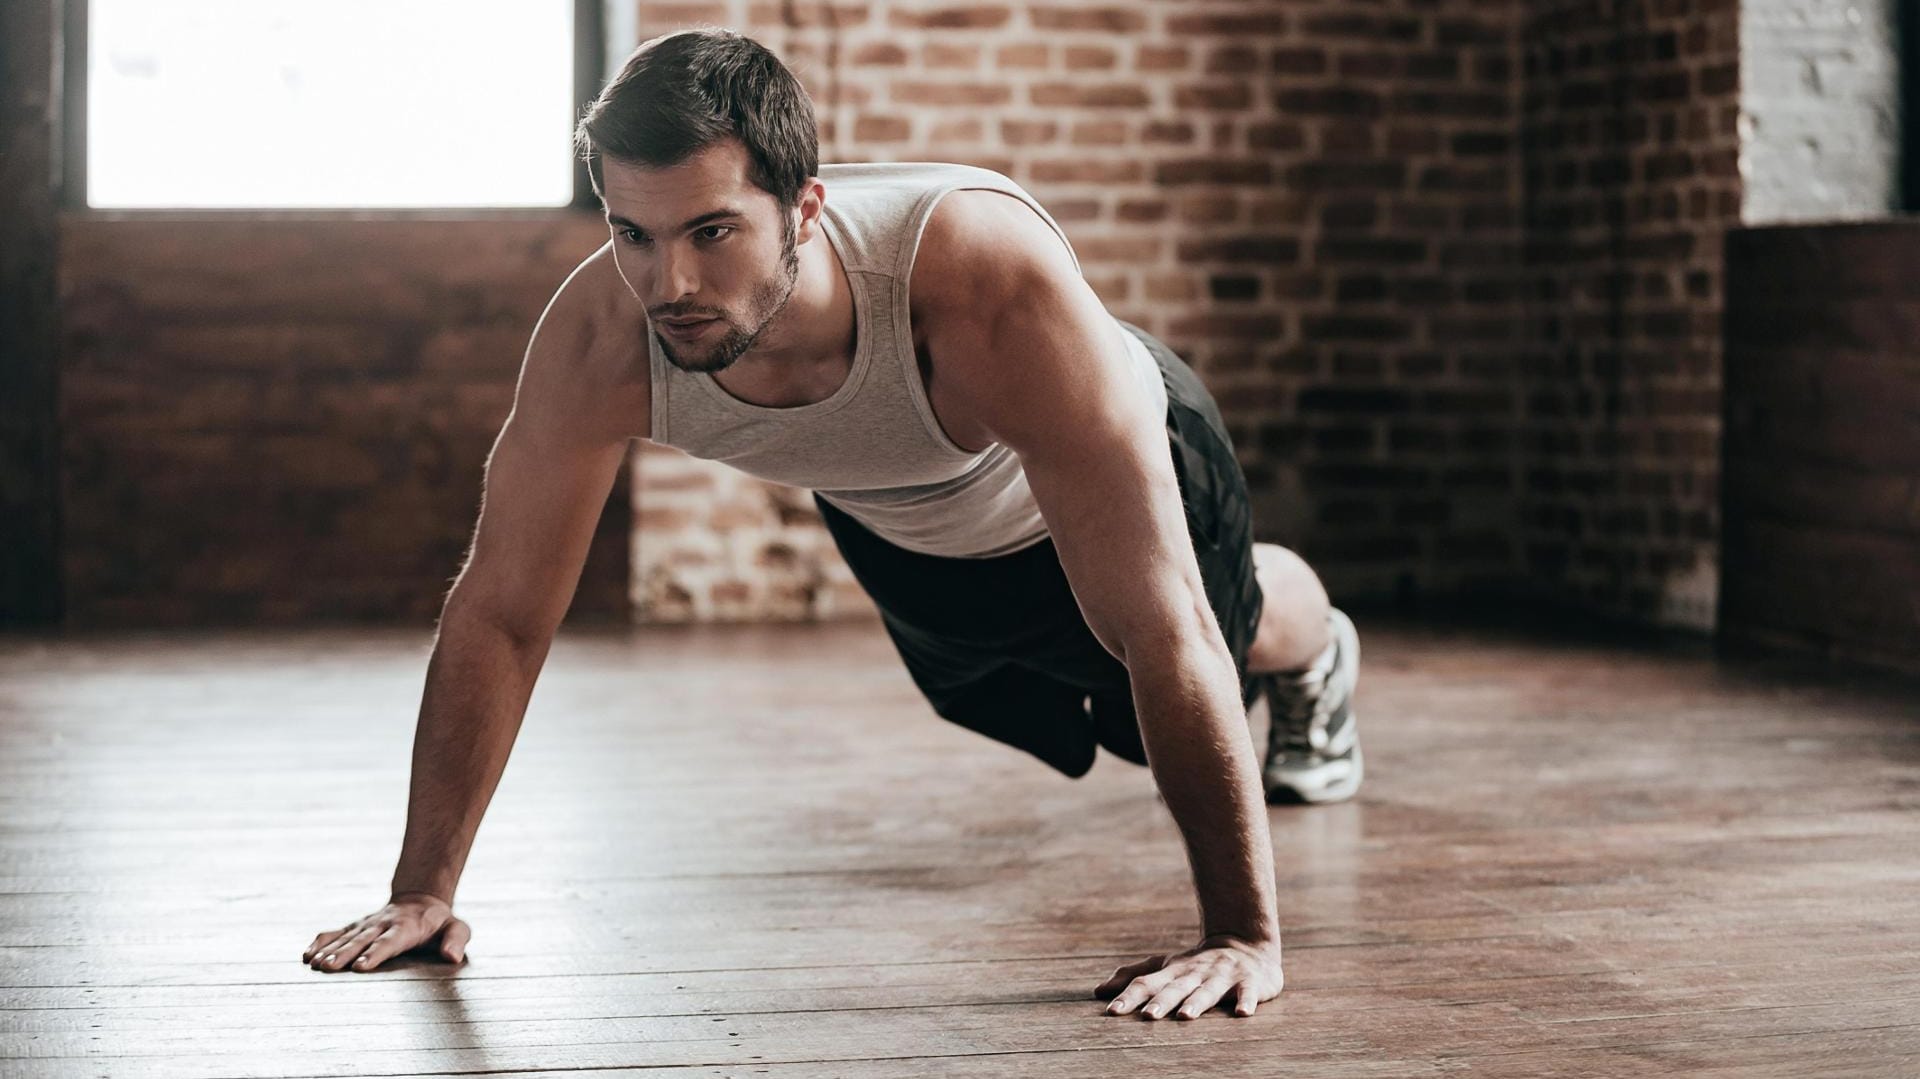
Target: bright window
329, 103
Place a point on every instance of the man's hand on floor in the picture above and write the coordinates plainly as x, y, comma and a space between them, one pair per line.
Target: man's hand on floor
409, 920
1220, 968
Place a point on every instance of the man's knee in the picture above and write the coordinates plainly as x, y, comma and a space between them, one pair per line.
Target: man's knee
1283, 573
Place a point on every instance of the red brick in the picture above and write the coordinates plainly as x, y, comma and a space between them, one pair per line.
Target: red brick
802, 13
1099, 133
1213, 95
1264, 249
1141, 210
1148, 57
1089, 57
1113, 19
1025, 54
877, 54
959, 16
947, 54
1115, 95
1028, 132
1361, 26
1177, 132
965, 129
882, 129
1298, 60
1087, 171
672, 15
949, 93
1229, 23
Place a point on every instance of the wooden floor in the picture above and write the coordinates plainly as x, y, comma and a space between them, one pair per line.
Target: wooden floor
756, 852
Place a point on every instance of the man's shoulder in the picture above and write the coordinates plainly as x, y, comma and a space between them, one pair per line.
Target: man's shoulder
593, 307
977, 242
588, 354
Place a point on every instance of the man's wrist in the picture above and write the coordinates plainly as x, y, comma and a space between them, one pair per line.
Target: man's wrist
1263, 939
402, 889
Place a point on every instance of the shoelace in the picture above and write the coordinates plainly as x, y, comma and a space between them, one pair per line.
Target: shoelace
1299, 709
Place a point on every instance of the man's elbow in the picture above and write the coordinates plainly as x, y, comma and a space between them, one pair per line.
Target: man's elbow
1179, 628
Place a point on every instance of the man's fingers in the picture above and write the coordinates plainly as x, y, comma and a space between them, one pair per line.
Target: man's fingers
1113, 983
326, 937
1205, 997
1128, 973
1170, 996
1191, 983
1137, 992
403, 924
379, 949
341, 952
453, 942
322, 946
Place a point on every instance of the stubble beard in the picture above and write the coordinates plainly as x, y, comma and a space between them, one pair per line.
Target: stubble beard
770, 296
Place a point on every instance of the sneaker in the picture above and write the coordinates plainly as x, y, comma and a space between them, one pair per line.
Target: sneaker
1313, 745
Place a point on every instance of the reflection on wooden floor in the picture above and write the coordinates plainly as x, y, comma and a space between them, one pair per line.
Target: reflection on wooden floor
751, 852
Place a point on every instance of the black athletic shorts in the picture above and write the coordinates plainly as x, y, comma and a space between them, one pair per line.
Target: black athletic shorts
999, 646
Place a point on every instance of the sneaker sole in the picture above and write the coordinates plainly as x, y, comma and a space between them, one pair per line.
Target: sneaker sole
1329, 782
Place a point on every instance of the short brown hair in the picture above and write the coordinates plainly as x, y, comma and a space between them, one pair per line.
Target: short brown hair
684, 91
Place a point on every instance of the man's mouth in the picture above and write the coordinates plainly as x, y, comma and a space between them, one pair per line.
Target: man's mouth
688, 327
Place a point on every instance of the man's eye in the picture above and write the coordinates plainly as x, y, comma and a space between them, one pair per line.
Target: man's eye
725, 228
632, 236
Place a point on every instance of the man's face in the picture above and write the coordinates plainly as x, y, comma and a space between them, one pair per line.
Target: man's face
699, 240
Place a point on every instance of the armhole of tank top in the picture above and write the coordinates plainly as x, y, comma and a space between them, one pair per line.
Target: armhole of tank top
656, 398
901, 304
909, 359
916, 384
924, 212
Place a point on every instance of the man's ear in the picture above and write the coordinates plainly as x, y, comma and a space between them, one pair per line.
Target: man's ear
812, 204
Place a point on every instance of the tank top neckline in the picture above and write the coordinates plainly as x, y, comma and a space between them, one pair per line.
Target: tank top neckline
863, 348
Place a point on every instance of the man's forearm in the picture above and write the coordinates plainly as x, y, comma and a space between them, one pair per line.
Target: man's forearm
478, 682
1186, 695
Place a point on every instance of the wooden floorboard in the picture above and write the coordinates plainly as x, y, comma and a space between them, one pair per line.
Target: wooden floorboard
756, 852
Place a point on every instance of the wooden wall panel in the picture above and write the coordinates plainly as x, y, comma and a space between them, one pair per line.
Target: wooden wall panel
286, 418
1822, 456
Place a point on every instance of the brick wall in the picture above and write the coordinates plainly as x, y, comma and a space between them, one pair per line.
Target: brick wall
1451, 267
1315, 203
286, 419
1629, 140
712, 544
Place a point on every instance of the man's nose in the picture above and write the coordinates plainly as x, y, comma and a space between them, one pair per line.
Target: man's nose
673, 280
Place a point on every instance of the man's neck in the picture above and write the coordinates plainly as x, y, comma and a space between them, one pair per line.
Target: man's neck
806, 352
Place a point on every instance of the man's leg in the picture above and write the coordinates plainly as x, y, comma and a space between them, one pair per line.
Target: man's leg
1293, 628
1028, 710
996, 645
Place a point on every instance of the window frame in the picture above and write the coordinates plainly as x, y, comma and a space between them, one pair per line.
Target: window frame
1907, 25
589, 54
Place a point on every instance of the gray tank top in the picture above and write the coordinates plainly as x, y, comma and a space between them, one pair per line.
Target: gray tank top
874, 448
